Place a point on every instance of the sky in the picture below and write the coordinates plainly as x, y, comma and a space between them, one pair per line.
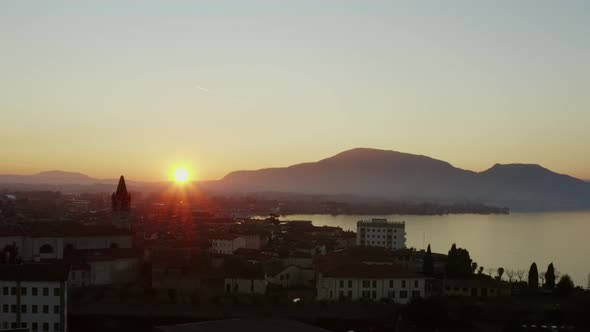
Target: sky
138, 87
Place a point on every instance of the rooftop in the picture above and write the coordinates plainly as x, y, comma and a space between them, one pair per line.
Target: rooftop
35, 272
379, 222
371, 271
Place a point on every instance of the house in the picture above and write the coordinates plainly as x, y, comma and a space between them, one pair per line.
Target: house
245, 279
371, 282
289, 276
226, 244
34, 296
476, 287
97, 267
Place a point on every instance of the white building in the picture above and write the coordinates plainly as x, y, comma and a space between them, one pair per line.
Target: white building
381, 233
227, 244
34, 297
370, 281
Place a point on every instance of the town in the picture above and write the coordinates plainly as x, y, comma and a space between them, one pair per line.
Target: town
68, 258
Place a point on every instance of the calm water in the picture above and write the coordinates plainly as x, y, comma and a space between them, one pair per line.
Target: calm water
510, 241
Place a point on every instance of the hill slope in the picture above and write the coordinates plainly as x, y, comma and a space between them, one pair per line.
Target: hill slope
396, 175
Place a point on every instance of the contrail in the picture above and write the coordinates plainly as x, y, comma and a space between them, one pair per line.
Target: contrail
203, 89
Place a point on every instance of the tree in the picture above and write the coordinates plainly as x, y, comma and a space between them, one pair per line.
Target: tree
510, 274
428, 264
458, 263
533, 276
565, 286
519, 275
480, 271
500, 273
550, 277
542, 278
473, 267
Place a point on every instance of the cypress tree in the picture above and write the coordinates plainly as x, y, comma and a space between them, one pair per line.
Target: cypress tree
428, 264
452, 261
550, 277
533, 276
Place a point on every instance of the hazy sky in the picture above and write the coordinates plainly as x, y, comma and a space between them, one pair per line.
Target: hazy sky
134, 87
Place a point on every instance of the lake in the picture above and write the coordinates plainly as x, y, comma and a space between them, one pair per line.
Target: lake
510, 241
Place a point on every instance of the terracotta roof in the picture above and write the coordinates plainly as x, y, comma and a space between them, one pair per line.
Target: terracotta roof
35, 272
371, 271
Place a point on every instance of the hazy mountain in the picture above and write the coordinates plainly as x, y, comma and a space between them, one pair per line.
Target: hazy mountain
395, 175
49, 177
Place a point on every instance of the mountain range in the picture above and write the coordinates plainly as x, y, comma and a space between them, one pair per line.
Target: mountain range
375, 174
402, 176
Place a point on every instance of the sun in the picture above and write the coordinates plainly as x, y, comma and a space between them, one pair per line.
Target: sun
181, 175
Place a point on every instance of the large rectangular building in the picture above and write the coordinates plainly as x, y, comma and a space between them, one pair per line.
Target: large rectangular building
34, 297
381, 233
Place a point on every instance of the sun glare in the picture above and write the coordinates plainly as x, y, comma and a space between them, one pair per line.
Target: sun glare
181, 175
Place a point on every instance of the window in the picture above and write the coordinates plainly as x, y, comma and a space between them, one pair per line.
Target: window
45, 326
374, 283
23, 308
403, 284
34, 326
45, 291
34, 308
350, 294
390, 283
391, 294
374, 295
13, 308
13, 291
45, 309
35, 291
416, 293
23, 291
56, 309
403, 294
341, 283
416, 284
366, 283
56, 326
23, 325
13, 325
5, 291
366, 294
341, 294
56, 291
5, 308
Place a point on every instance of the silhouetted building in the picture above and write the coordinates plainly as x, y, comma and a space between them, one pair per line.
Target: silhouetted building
121, 205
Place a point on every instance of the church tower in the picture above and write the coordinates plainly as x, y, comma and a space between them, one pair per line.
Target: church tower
121, 205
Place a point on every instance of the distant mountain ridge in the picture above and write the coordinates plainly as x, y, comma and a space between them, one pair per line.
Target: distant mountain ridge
403, 176
370, 173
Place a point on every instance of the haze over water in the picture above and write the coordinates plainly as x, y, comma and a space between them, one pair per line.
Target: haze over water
511, 241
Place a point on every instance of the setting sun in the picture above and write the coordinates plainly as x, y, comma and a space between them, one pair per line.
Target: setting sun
181, 175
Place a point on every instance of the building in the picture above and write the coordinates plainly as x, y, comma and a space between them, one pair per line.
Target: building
477, 287
226, 244
34, 297
98, 267
371, 282
35, 242
381, 233
121, 206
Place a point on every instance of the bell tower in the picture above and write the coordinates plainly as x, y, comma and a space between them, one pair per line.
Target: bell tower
121, 205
